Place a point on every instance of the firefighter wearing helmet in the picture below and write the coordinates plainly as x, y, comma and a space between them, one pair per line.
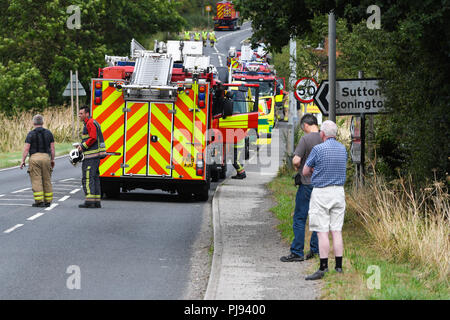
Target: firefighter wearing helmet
93, 148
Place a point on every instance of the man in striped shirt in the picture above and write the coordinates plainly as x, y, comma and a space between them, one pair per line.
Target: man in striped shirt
327, 163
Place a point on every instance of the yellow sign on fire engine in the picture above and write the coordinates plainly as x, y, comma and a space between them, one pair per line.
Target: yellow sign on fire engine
310, 108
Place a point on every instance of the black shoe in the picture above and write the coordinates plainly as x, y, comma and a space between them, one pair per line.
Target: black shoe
98, 205
87, 205
310, 255
291, 258
47, 204
239, 176
38, 204
316, 275
338, 270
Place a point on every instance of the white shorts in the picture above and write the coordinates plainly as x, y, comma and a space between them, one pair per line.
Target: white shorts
327, 209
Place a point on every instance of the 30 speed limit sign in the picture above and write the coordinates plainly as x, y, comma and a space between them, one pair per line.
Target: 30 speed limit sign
305, 89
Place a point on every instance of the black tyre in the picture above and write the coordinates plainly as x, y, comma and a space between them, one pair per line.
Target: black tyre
202, 194
110, 188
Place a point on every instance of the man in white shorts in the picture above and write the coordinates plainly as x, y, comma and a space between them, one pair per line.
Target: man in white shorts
327, 163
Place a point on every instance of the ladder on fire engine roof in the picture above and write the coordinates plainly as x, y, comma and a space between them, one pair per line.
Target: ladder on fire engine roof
152, 69
134, 47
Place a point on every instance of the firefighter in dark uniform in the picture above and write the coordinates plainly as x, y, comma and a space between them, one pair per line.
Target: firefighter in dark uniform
93, 148
40, 144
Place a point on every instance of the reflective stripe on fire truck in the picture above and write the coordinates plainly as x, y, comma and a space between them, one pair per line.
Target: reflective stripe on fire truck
186, 145
109, 114
220, 8
136, 138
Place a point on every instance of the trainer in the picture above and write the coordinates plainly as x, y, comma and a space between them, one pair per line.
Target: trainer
40, 145
327, 163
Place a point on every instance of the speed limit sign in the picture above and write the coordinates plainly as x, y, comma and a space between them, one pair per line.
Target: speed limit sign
305, 89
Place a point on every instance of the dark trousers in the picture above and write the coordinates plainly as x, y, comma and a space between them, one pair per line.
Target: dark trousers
300, 215
91, 179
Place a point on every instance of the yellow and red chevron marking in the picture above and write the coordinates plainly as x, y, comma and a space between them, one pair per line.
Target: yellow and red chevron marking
189, 134
110, 117
160, 150
220, 8
136, 138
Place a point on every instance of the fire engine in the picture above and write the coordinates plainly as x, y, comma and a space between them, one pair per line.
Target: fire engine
251, 68
167, 120
226, 17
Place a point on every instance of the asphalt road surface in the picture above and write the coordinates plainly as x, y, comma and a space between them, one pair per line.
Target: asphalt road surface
140, 246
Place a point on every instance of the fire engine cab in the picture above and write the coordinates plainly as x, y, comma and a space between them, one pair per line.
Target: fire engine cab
167, 123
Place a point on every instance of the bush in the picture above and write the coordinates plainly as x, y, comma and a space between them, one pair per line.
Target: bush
21, 88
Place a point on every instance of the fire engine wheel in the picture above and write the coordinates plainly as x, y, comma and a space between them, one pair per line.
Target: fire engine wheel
202, 193
223, 172
215, 176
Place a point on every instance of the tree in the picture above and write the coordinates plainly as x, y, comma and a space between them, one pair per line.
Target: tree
37, 32
410, 53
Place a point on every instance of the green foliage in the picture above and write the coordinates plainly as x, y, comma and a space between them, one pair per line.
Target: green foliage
37, 32
21, 88
410, 53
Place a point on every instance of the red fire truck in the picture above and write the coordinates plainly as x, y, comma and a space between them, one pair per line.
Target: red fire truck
167, 124
227, 18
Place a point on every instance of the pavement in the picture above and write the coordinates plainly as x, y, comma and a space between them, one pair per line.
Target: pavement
247, 246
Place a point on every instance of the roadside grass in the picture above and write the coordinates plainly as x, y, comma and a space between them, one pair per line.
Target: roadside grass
11, 159
15, 129
363, 259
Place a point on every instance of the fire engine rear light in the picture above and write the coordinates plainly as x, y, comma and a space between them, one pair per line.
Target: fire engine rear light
98, 85
201, 89
199, 165
201, 104
98, 94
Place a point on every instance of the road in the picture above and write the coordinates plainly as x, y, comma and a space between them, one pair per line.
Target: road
143, 246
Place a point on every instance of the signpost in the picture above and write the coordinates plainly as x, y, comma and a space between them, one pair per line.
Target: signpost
305, 89
74, 86
353, 97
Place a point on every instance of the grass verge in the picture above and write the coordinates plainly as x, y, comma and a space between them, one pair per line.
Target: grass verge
369, 274
11, 159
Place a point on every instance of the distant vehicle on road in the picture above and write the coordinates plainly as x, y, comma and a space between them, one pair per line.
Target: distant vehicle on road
227, 18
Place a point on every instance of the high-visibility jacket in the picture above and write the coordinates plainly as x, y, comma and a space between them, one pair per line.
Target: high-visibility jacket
92, 140
197, 36
212, 36
205, 35
187, 36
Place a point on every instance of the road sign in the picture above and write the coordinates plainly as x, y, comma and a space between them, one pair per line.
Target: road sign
81, 91
304, 89
353, 97
208, 8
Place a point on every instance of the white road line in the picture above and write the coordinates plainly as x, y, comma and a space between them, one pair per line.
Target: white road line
64, 198
37, 215
53, 205
67, 179
13, 228
15, 204
5, 199
74, 191
21, 190
2, 195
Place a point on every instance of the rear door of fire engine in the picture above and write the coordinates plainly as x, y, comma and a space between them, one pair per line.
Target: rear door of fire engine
148, 138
